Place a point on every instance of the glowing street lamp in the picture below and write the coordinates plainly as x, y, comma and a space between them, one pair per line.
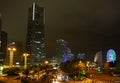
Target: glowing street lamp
1, 70
11, 49
46, 62
87, 64
25, 60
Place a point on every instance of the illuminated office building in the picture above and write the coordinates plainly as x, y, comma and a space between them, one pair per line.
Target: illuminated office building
35, 42
63, 52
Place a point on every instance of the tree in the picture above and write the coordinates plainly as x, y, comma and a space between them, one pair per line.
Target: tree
117, 67
74, 67
26, 72
106, 65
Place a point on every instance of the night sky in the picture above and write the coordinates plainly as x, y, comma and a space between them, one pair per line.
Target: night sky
88, 26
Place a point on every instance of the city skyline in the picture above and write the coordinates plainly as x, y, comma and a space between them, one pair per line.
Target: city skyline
87, 26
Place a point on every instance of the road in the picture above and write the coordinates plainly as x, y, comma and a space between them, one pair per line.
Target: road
106, 78
98, 78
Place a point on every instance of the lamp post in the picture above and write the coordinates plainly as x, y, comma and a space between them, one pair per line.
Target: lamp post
1, 70
46, 62
11, 49
25, 60
88, 64
46, 65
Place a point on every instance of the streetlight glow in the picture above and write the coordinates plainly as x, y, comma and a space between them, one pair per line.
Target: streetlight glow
11, 49
46, 62
25, 54
25, 60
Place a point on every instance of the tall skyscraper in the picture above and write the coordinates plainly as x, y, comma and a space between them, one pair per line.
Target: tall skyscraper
0, 29
35, 43
3, 43
63, 52
3, 48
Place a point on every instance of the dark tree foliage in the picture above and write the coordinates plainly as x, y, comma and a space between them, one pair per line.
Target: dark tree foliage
26, 72
11, 71
70, 67
66, 66
117, 67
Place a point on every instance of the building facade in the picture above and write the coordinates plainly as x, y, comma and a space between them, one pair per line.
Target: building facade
63, 52
3, 48
35, 41
1, 60
3, 43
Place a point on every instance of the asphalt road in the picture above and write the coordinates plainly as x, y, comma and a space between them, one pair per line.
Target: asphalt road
105, 78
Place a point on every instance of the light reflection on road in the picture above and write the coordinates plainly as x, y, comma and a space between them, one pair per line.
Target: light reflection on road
55, 81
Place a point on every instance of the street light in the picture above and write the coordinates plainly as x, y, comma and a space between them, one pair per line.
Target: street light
11, 49
25, 60
1, 70
88, 64
46, 62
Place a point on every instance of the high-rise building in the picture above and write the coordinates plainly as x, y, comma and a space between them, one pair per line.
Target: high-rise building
3, 48
62, 51
0, 29
35, 41
3, 43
